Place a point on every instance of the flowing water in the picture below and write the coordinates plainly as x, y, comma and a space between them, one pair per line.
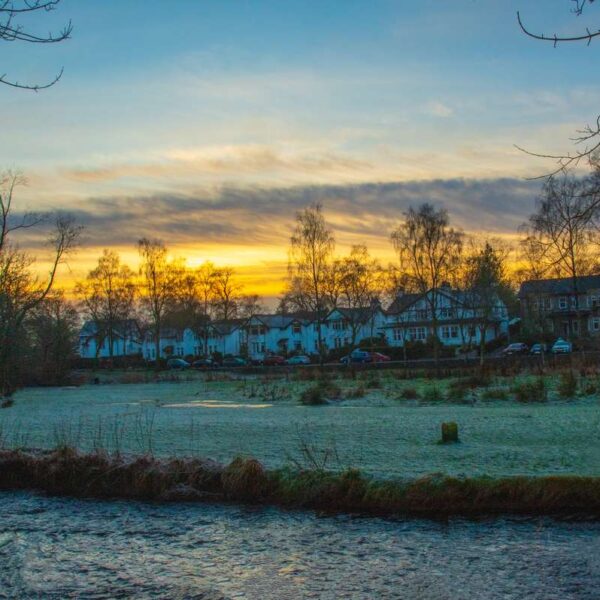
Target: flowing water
64, 548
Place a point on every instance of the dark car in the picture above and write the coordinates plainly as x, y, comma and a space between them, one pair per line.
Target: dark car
204, 363
273, 361
234, 361
357, 356
516, 348
538, 349
177, 363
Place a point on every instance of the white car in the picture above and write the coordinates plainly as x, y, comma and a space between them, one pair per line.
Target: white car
561, 346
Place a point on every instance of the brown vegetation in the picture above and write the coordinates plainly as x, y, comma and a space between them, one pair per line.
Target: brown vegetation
67, 472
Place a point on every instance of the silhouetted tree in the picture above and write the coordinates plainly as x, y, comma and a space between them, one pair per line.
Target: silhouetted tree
13, 28
311, 249
21, 291
429, 250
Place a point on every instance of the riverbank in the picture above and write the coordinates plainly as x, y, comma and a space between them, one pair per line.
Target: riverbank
98, 475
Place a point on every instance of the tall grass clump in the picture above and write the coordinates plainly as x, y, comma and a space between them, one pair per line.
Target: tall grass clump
531, 391
567, 384
433, 394
409, 393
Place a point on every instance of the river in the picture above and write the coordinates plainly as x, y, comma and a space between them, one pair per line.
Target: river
60, 548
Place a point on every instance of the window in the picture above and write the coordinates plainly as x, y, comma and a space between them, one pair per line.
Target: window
449, 332
339, 325
257, 330
446, 313
297, 345
296, 328
417, 334
257, 347
594, 324
398, 334
575, 326
562, 303
593, 302
338, 342
422, 313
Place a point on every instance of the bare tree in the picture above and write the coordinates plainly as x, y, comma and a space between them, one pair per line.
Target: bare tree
360, 286
21, 291
108, 296
311, 249
587, 139
157, 287
13, 15
484, 275
226, 293
562, 233
429, 250
51, 335
248, 305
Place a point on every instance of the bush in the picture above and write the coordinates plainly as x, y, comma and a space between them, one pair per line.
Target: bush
495, 394
313, 396
567, 385
432, 394
531, 391
409, 393
590, 388
357, 392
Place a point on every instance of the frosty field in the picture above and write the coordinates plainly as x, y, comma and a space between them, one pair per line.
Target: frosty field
378, 433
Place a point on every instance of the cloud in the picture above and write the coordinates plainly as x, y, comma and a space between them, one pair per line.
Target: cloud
438, 109
252, 216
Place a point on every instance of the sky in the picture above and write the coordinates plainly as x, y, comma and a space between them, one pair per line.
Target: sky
208, 124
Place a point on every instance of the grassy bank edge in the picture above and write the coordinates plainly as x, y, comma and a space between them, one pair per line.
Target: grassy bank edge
98, 475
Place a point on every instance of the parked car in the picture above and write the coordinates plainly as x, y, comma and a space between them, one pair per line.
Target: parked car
273, 361
234, 361
561, 346
356, 356
538, 349
378, 357
516, 348
177, 363
301, 359
204, 363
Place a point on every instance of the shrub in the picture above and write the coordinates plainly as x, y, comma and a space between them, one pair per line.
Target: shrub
432, 394
531, 391
590, 388
245, 479
357, 392
567, 385
497, 393
409, 393
313, 396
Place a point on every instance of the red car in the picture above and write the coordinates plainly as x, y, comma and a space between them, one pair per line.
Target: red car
273, 361
378, 357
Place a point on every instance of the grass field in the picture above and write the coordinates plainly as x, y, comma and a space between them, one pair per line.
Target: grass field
369, 424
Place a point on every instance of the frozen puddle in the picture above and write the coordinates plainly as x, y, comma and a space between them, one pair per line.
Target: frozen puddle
214, 404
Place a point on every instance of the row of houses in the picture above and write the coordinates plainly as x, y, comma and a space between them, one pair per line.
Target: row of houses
459, 321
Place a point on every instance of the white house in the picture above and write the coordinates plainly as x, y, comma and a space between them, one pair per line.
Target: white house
95, 339
461, 319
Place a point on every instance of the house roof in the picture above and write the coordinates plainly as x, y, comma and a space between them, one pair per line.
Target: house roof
401, 303
358, 314
560, 285
121, 328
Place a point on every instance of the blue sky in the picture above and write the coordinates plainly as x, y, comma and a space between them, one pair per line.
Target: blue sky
189, 98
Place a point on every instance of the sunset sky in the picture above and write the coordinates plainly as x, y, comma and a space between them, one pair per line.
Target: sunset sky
210, 123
